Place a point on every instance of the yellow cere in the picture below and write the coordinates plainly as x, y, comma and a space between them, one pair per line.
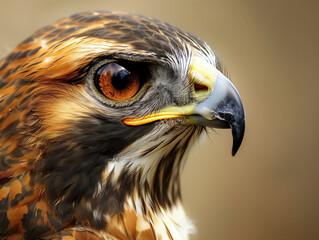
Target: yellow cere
204, 73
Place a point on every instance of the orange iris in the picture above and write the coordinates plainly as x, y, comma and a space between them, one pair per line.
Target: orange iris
117, 83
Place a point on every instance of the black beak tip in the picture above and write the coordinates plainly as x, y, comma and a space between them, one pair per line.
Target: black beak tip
238, 131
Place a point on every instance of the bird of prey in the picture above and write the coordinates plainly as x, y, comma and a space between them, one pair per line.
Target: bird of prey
98, 112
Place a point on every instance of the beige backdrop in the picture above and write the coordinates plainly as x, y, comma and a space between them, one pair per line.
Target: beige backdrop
270, 190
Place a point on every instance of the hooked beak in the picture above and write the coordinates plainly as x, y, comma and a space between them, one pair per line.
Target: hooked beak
219, 106
223, 109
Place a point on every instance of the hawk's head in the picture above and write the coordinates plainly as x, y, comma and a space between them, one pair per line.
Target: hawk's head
98, 112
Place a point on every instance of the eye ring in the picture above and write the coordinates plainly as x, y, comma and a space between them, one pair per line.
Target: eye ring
118, 82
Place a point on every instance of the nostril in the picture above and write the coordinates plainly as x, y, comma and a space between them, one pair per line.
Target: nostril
200, 87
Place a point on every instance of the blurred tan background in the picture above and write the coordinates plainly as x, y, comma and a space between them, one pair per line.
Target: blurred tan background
270, 190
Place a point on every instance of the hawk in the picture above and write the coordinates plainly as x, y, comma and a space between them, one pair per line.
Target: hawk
97, 114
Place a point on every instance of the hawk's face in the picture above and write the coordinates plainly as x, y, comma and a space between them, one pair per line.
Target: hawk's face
98, 112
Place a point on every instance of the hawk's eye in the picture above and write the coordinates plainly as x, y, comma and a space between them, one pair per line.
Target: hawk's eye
116, 82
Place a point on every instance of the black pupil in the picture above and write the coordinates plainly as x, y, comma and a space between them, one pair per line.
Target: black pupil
120, 79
